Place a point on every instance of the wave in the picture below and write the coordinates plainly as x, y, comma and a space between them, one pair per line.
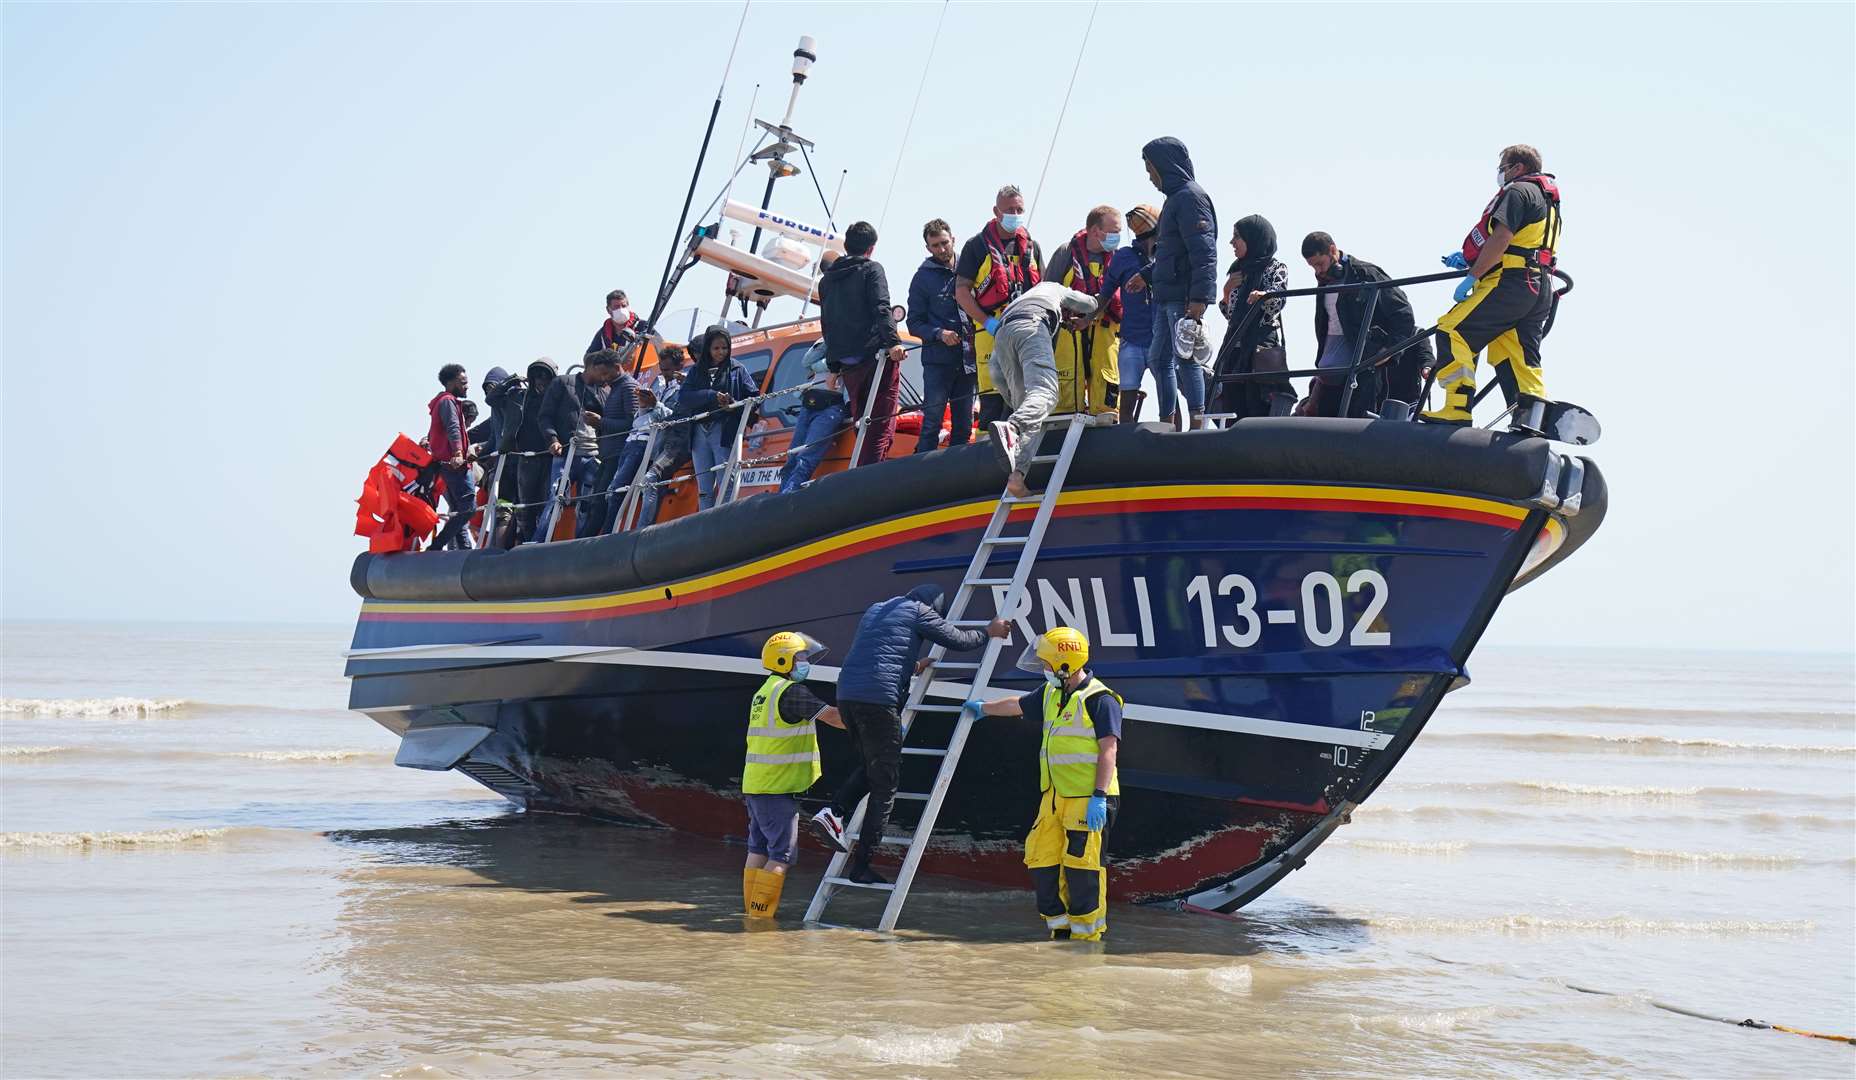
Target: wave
1615, 924
919, 1046
1561, 740
89, 841
1717, 858
1409, 847
1441, 1022
1675, 717
313, 756
120, 708
32, 751
1606, 791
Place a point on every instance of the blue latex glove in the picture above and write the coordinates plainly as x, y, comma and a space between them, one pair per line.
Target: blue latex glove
1456, 261
1097, 817
971, 710
992, 325
1463, 290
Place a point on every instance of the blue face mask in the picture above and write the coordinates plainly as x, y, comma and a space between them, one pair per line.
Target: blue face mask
802, 669
1011, 222
1111, 241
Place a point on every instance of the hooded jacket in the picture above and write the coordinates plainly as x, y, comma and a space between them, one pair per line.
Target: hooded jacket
530, 436
854, 309
704, 379
1185, 263
932, 309
889, 641
564, 407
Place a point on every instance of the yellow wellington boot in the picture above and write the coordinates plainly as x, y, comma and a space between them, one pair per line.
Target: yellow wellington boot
766, 897
748, 876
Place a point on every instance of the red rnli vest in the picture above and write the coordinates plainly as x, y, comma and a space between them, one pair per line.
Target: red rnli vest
1539, 256
1085, 282
1009, 275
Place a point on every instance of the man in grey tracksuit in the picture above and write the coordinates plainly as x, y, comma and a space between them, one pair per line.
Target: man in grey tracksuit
1024, 369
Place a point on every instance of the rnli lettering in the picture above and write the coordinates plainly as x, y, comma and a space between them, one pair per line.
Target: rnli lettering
1232, 612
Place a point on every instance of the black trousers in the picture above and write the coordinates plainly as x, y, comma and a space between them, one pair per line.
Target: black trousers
992, 407
531, 487
877, 731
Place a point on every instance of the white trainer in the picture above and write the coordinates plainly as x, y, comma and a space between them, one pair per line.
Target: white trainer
830, 829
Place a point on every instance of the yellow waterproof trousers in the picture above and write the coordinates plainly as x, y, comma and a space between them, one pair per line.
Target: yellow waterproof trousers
1065, 859
1088, 378
1504, 314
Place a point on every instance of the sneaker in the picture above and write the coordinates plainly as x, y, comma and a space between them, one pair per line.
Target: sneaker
830, 828
1004, 443
863, 875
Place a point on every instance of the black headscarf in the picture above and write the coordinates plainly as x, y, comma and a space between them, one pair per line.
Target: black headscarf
1259, 244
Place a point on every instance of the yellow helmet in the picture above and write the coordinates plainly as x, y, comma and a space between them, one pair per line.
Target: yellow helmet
1061, 649
786, 647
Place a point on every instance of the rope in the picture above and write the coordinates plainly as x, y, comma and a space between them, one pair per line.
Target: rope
933, 44
747, 125
1031, 213
816, 186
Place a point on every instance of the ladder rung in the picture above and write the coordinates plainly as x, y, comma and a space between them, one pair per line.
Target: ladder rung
918, 796
939, 708
924, 751
988, 581
1006, 540
897, 838
847, 883
1045, 459
957, 665
975, 624
1015, 500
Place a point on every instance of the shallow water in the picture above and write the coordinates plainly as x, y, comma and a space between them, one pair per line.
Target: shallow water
208, 867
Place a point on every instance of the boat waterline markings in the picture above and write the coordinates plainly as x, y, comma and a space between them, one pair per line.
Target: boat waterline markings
745, 665
1124, 500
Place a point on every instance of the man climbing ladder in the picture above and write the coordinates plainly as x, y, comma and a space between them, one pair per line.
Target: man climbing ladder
1080, 789
1504, 300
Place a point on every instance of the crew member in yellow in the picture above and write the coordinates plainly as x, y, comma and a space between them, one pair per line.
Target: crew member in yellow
1088, 374
1076, 771
1504, 300
995, 267
782, 762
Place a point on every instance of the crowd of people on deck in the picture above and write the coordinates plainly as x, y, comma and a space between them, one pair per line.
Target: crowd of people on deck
1007, 339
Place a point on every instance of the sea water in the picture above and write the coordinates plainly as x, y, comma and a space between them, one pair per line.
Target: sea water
209, 868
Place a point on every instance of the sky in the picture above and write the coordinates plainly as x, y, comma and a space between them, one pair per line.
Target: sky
238, 241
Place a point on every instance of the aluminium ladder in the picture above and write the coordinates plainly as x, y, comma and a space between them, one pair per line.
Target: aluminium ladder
991, 542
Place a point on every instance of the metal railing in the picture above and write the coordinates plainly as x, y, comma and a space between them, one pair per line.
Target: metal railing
1360, 362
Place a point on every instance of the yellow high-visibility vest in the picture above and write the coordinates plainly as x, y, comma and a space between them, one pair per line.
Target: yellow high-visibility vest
782, 758
1068, 757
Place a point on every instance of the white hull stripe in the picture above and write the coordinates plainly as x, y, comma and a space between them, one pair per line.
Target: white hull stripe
746, 665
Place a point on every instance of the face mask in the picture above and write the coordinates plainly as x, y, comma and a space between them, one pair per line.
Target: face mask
1055, 680
1111, 241
1501, 177
802, 669
620, 314
1011, 223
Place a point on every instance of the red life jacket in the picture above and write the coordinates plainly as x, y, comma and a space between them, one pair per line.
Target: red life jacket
1009, 275
1539, 258
1085, 282
609, 334
438, 439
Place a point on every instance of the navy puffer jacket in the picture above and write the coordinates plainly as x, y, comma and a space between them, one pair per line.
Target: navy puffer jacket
889, 641
1185, 264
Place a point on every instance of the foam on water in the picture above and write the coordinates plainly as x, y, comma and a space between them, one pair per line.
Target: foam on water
906, 1046
107, 840
1565, 740
1621, 925
1762, 860
33, 751
1408, 847
1439, 1022
118, 708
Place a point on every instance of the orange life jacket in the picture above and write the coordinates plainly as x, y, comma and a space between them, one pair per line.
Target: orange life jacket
387, 514
1009, 275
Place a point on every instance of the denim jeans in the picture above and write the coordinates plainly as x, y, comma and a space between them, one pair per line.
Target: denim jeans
707, 452
585, 469
461, 501
1160, 358
813, 432
618, 479
945, 385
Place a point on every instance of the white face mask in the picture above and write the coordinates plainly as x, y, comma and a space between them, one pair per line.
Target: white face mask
1055, 680
620, 314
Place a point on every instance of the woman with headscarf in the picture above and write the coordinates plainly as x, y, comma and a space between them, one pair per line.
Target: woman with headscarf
1253, 338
